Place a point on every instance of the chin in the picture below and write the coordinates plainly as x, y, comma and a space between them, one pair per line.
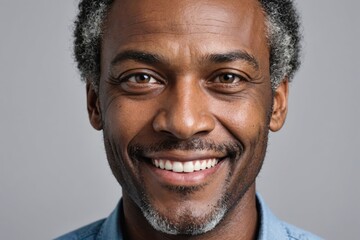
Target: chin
185, 221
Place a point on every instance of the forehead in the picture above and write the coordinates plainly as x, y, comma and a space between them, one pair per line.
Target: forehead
194, 25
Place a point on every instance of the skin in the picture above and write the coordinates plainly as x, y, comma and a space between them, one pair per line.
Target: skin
181, 97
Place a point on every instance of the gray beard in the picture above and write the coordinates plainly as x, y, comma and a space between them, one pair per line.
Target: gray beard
188, 224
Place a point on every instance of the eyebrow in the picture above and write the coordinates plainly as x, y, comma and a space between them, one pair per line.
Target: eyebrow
151, 58
233, 56
143, 57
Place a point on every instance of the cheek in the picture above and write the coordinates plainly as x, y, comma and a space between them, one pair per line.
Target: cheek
125, 119
244, 119
248, 123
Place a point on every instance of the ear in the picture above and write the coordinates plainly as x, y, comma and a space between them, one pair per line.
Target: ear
93, 107
280, 106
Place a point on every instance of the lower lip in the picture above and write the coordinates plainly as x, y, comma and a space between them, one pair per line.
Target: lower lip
184, 179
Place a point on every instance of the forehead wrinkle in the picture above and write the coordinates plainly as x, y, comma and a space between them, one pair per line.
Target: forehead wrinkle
191, 19
216, 20
181, 29
131, 24
195, 19
173, 33
162, 20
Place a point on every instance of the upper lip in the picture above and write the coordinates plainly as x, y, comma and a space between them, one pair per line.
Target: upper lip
184, 156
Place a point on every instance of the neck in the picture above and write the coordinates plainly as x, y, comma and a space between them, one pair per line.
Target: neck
240, 223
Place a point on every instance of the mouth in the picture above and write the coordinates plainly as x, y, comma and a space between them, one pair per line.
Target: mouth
186, 164
185, 167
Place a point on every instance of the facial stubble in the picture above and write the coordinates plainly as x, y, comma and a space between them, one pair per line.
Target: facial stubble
186, 221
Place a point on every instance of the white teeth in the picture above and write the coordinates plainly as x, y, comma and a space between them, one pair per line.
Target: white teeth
178, 167
161, 164
197, 166
168, 165
208, 163
203, 165
188, 167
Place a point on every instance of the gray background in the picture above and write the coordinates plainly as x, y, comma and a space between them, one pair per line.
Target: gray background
53, 172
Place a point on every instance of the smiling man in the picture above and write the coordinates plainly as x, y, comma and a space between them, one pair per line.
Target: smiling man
185, 93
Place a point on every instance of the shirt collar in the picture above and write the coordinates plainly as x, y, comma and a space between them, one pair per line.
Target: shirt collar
111, 228
271, 227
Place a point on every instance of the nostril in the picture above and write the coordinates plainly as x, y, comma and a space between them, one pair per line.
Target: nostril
183, 123
159, 122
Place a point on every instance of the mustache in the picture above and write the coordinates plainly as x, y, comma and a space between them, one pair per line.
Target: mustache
231, 149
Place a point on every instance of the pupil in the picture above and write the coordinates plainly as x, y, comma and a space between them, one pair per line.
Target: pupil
227, 77
143, 78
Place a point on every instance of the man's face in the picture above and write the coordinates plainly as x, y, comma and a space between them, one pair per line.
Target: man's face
184, 86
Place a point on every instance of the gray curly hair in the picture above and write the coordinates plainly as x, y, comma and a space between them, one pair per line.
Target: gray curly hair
283, 34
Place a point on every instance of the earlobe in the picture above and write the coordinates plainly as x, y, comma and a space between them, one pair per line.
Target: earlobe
93, 107
280, 106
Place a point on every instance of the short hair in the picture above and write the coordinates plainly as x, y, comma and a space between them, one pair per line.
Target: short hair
283, 34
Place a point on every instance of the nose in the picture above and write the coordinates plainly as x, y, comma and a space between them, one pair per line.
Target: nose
185, 112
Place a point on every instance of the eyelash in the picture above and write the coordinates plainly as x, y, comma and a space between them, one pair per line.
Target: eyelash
125, 78
238, 78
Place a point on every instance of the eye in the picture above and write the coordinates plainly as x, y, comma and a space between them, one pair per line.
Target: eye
138, 82
139, 78
228, 78
227, 81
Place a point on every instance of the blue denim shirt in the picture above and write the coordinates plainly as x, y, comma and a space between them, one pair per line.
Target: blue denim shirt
271, 228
